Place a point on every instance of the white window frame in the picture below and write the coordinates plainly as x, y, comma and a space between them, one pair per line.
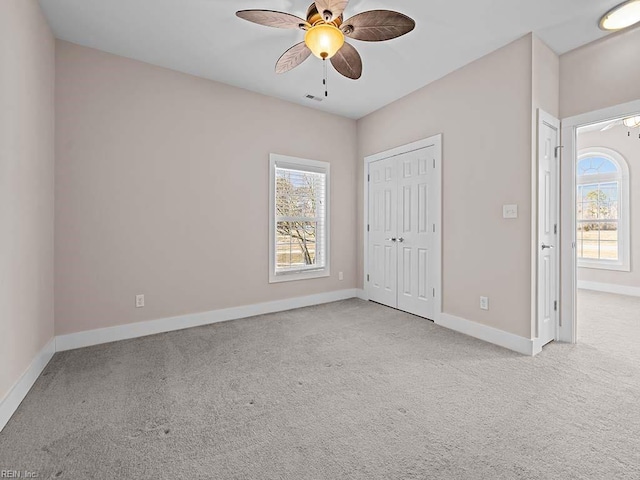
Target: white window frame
624, 228
293, 163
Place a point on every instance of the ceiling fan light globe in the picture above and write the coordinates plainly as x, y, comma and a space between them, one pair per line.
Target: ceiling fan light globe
632, 122
622, 16
324, 40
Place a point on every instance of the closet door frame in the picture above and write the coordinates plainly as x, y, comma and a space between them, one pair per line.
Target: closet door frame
436, 142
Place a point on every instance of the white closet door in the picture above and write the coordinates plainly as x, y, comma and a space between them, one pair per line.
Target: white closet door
382, 253
416, 231
548, 171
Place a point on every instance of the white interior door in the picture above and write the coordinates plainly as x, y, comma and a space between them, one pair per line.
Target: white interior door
416, 230
382, 254
403, 203
548, 177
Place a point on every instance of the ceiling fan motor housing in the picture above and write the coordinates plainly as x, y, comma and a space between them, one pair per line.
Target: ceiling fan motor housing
314, 17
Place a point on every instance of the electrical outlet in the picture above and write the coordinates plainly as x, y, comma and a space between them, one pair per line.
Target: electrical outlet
139, 301
484, 303
340, 276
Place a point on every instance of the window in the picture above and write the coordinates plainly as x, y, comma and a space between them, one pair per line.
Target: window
299, 219
602, 210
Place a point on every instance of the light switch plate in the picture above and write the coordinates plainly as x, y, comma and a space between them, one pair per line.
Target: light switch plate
484, 303
510, 211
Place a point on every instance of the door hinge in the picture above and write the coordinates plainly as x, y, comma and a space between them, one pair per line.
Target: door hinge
555, 306
555, 229
434, 228
368, 178
434, 163
434, 293
367, 277
557, 150
368, 228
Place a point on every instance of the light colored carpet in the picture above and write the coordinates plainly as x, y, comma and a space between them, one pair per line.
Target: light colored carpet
350, 390
610, 323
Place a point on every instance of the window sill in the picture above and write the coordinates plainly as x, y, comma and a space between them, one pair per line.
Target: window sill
616, 267
290, 277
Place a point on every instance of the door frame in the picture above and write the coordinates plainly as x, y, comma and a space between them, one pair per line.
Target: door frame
434, 141
551, 121
568, 330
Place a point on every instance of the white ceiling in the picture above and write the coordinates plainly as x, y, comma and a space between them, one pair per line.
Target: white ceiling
205, 38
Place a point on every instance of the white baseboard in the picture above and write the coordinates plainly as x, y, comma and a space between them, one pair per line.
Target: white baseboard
609, 288
488, 334
498, 337
13, 399
152, 327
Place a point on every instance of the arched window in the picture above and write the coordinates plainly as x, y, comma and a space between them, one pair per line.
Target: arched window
602, 209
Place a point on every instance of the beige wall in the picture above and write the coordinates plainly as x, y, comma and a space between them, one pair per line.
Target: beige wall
546, 78
601, 74
26, 187
162, 189
484, 111
629, 147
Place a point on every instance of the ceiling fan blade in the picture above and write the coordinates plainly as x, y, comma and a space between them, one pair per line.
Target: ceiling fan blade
331, 9
377, 25
348, 62
292, 58
270, 18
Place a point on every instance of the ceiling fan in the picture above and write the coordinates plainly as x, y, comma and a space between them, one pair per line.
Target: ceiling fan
629, 122
326, 31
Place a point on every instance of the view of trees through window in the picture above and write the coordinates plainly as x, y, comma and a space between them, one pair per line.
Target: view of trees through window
598, 219
598, 210
299, 219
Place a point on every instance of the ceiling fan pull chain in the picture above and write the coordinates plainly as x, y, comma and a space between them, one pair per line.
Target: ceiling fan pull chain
324, 80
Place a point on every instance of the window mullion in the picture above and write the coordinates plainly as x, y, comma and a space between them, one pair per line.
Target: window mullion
297, 219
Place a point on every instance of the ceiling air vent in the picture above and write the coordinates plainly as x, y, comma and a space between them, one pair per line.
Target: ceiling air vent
313, 97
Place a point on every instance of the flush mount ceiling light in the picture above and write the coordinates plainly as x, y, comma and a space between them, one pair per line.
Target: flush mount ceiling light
326, 31
622, 16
